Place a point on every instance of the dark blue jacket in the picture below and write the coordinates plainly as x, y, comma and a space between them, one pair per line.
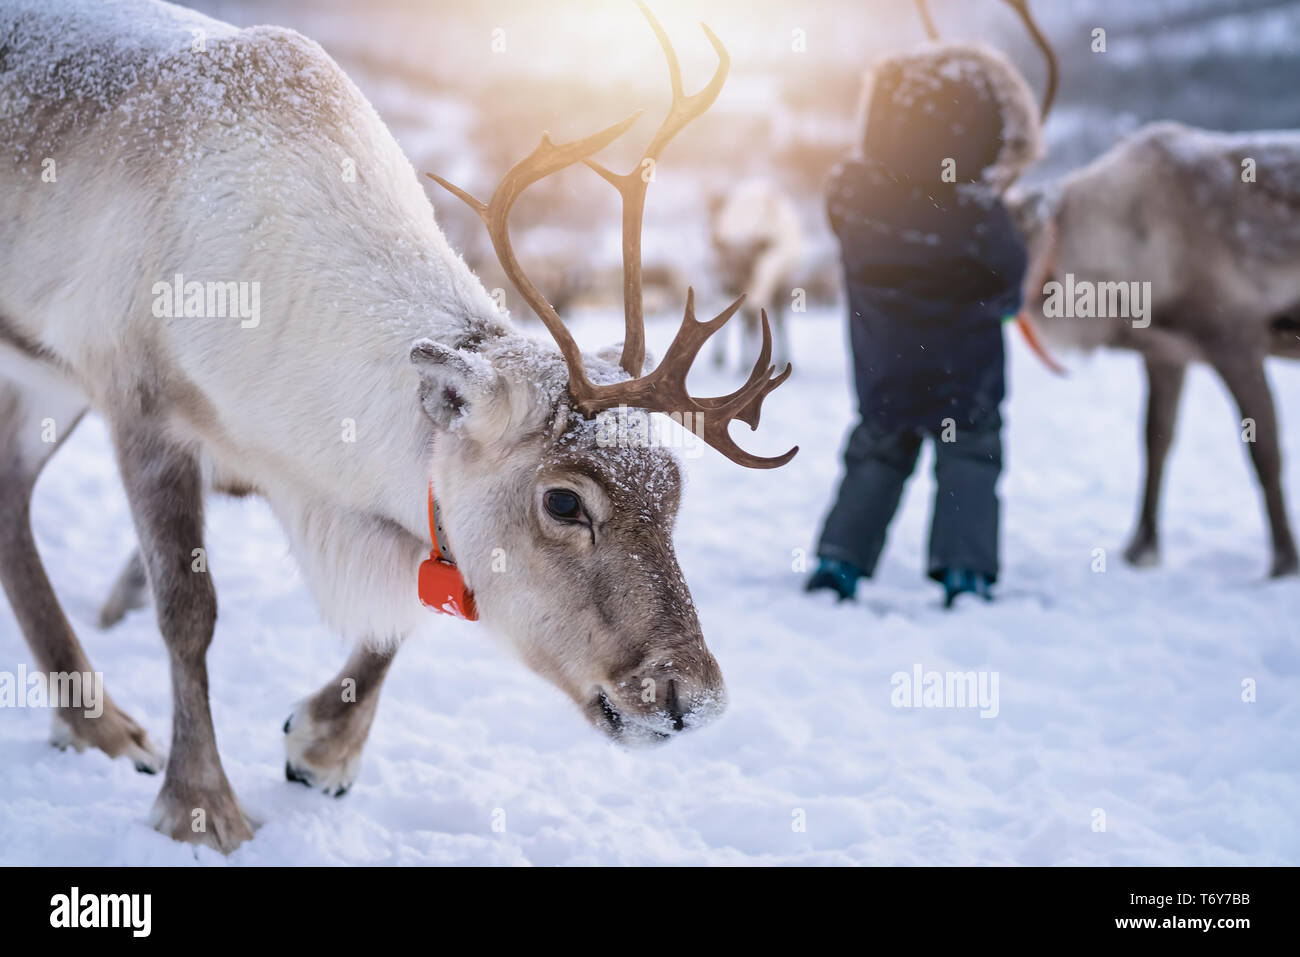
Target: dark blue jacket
930, 272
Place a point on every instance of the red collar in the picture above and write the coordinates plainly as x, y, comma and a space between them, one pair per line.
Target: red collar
441, 586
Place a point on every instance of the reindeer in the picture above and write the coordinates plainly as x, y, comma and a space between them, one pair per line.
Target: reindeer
757, 241
171, 143
1174, 206
1210, 221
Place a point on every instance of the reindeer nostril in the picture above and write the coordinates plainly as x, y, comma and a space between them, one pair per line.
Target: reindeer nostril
674, 710
611, 715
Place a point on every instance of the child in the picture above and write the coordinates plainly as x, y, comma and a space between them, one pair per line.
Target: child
932, 265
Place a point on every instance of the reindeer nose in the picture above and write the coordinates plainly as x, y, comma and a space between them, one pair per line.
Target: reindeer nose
674, 708
660, 700
688, 701
694, 706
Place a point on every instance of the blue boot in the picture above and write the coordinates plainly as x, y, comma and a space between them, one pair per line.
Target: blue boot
835, 575
959, 581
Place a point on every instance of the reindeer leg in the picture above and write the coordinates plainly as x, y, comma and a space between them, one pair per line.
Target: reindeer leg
1164, 389
1245, 379
164, 488
781, 338
751, 340
53, 643
326, 733
130, 591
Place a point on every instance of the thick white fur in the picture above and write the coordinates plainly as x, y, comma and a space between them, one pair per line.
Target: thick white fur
227, 165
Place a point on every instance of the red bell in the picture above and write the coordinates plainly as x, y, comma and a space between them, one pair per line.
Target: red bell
441, 585
444, 590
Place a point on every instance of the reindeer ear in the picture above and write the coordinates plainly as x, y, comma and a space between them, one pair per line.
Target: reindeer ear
451, 381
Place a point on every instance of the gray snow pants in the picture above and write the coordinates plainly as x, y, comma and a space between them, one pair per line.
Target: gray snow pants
964, 525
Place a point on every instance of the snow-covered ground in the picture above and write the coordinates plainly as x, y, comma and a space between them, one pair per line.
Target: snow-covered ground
1119, 691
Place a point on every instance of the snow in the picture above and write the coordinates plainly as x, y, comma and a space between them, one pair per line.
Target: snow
1119, 691
151, 65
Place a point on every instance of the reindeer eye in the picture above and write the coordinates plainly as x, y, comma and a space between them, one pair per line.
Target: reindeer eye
563, 505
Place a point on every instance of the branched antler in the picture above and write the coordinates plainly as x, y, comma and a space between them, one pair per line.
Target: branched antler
927, 21
546, 159
1027, 18
632, 186
663, 389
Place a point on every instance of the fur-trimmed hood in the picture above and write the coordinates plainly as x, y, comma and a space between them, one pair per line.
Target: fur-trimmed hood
980, 68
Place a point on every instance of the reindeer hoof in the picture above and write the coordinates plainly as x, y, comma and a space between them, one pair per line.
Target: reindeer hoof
113, 732
319, 754
1285, 565
1142, 554
305, 777
202, 816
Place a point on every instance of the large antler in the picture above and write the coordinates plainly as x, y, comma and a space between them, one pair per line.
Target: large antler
632, 186
927, 21
1027, 18
664, 389
546, 159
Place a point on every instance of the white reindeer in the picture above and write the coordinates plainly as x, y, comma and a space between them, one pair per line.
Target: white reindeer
143, 141
758, 243
1209, 221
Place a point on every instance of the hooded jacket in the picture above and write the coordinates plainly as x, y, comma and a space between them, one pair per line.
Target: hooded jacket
931, 265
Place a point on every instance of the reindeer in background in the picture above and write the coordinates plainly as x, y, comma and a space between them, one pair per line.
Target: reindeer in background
1212, 222
1173, 206
757, 244
223, 165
